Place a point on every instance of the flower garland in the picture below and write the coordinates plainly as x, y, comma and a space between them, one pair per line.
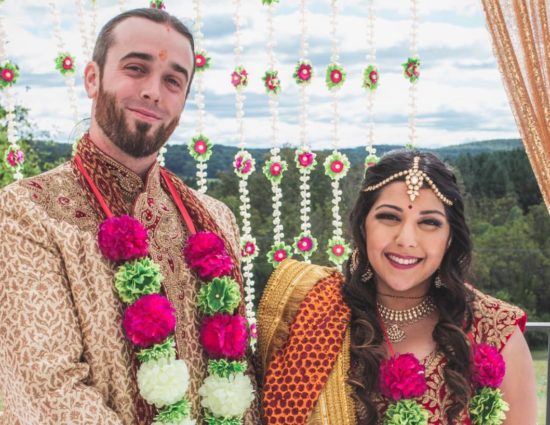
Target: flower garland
199, 146
244, 166
149, 322
14, 157
304, 244
86, 36
274, 167
411, 71
157, 4
336, 164
371, 79
402, 378
65, 64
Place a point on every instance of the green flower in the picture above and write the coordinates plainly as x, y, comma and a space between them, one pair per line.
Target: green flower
371, 160
336, 165
411, 69
274, 170
173, 413
406, 412
487, 407
166, 350
64, 63
335, 76
210, 419
137, 278
370, 78
278, 252
9, 72
305, 244
224, 368
338, 250
270, 2
200, 148
305, 159
221, 295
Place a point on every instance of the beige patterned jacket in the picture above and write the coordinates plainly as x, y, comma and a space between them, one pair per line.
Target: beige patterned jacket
63, 355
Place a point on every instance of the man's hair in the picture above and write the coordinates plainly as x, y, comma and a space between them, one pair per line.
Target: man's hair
105, 39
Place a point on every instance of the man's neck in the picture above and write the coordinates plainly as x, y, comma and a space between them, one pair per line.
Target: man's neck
140, 166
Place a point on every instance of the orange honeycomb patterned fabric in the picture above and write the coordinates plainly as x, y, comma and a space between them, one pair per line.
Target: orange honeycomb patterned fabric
299, 371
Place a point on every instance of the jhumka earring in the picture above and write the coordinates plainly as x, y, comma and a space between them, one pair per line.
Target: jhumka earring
438, 282
354, 264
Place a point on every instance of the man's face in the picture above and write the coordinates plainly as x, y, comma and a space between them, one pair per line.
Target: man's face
143, 86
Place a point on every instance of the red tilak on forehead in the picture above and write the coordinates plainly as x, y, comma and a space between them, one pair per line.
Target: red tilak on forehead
410, 207
163, 54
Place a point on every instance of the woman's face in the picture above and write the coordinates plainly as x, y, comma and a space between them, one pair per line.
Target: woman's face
406, 241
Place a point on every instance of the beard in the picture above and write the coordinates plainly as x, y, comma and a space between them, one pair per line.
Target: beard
138, 143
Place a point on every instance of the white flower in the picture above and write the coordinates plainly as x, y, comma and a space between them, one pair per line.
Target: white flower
186, 421
227, 397
163, 382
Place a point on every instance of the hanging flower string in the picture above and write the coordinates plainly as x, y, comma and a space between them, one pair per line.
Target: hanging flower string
371, 78
85, 35
149, 321
64, 63
244, 166
336, 165
14, 157
199, 146
158, 4
411, 71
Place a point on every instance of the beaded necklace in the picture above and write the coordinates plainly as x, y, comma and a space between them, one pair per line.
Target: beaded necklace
149, 320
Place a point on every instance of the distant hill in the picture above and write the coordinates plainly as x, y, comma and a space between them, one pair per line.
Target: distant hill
179, 160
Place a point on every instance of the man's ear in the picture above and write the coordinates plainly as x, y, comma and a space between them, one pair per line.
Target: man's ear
91, 79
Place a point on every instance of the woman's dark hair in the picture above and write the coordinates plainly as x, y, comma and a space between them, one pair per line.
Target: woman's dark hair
453, 300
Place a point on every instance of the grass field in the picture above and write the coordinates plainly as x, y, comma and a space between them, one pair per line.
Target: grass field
541, 373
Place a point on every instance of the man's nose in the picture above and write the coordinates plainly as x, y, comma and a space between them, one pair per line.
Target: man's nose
151, 89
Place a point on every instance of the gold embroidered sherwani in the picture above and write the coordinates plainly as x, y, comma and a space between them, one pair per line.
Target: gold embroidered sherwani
63, 356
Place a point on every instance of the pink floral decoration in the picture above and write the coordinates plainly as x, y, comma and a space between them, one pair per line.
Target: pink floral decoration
223, 335
248, 249
489, 366
15, 158
242, 165
7, 75
305, 244
200, 60
337, 166
402, 376
200, 146
67, 63
305, 159
304, 72
373, 76
253, 331
280, 255
276, 169
335, 76
338, 250
150, 320
123, 238
206, 254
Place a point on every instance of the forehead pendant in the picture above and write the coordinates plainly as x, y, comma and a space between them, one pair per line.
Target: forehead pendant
414, 179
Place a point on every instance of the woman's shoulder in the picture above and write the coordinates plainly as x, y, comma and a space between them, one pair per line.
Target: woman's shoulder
495, 320
283, 296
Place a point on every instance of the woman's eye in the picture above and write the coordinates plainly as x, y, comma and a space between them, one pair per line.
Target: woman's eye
387, 216
432, 222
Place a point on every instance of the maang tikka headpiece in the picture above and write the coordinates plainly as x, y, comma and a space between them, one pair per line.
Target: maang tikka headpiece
414, 179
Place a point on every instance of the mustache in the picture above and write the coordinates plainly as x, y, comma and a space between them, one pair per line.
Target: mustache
147, 106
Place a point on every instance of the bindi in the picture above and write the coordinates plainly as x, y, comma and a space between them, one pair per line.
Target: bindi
163, 54
410, 207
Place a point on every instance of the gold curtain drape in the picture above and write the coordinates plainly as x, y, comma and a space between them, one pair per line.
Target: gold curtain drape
521, 39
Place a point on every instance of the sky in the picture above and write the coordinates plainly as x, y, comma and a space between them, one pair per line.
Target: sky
460, 94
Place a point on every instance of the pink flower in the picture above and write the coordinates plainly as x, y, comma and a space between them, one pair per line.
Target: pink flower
275, 169
337, 166
338, 250
200, 60
253, 331
373, 76
249, 249
279, 255
304, 72
206, 254
272, 83
67, 63
412, 69
402, 376
150, 320
305, 159
243, 165
305, 244
489, 366
7, 75
200, 146
223, 335
335, 76
235, 79
123, 238
15, 158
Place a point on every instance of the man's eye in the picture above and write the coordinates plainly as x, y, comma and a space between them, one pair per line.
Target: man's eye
173, 82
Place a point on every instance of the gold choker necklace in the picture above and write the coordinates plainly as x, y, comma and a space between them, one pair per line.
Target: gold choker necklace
396, 320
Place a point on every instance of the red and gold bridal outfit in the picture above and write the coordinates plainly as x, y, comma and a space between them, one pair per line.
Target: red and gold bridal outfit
63, 356
304, 340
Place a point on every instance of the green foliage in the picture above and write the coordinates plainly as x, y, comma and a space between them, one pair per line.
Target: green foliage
166, 349
174, 413
487, 407
224, 368
406, 412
